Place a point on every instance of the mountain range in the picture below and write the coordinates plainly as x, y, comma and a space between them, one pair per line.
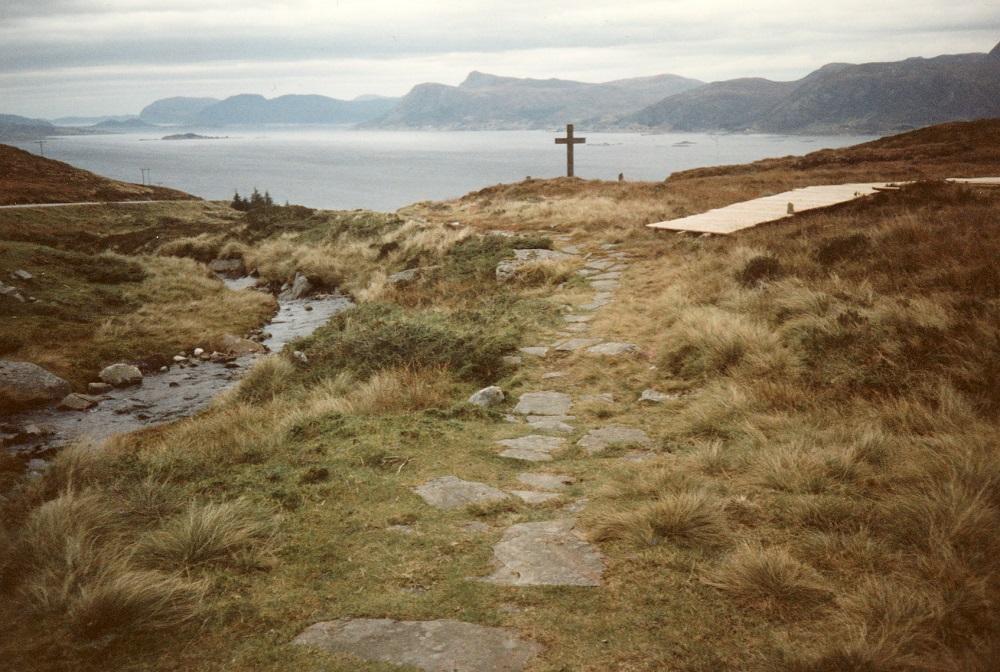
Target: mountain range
489, 101
838, 98
874, 98
256, 109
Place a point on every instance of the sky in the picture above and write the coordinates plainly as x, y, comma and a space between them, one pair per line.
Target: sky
95, 57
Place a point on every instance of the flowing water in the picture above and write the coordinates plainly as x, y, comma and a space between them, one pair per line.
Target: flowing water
176, 393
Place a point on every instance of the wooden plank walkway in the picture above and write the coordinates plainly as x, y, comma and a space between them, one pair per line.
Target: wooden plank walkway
987, 181
769, 208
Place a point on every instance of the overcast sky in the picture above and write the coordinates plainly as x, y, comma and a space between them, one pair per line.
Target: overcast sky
89, 57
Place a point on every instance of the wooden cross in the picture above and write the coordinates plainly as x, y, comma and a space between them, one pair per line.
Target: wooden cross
569, 141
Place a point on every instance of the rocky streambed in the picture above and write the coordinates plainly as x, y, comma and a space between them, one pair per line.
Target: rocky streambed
181, 390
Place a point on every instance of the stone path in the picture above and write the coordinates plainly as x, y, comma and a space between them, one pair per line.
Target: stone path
547, 553
538, 553
434, 646
770, 208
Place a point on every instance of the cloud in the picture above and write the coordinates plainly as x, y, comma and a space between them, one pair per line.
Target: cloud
88, 48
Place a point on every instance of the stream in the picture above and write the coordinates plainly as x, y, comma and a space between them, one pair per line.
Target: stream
176, 393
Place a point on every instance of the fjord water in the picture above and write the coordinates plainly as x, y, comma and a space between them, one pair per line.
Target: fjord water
384, 170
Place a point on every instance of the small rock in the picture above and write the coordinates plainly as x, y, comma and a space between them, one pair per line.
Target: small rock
121, 375
173, 383
299, 289
78, 402
657, 397
198, 352
553, 374
21, 274
602, 398
180, 358
98, 388
488, 396
12, 292
613, 349
578, 318
403, 277
164, 369
512, 360
234, 345
535, 350
300, 356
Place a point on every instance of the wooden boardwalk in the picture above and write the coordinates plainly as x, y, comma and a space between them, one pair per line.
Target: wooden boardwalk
769, 208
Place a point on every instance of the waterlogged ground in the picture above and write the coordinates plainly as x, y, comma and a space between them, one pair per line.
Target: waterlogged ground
178, 392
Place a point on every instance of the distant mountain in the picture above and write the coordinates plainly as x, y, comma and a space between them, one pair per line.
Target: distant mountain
14, 127
177, 110
90, 121
869, 98
133, 124
292, 109
490, 101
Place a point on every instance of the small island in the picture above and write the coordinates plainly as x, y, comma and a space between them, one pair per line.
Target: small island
192, 136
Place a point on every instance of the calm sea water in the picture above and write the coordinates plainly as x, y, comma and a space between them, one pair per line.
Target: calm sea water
384, 170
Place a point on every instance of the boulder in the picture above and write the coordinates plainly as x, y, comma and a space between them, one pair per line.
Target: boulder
12, 292
234, 345
488, 396
299, 289
507, 269
231, 267
78, 402
121, 375
26, 384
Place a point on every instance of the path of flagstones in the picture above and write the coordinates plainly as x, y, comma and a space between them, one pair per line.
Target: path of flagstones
545, 553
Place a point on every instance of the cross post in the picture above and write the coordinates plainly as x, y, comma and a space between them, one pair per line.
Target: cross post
569, 141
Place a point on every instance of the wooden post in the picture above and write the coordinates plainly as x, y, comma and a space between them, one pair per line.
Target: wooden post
569, 141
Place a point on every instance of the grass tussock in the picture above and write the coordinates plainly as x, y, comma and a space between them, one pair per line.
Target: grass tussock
768, 575
229, 533
685, 519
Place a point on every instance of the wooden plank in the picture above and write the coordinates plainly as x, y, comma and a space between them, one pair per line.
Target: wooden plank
769, 208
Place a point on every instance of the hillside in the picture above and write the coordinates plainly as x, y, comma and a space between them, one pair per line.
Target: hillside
176, 110
14, 127
490, 101
291, 109
28, 178
839, 98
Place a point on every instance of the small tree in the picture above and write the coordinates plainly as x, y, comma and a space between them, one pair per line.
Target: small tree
239, 203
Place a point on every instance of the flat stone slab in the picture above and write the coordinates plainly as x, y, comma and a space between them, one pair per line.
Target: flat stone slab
549, 375
602, 398
532, 497
545, 480
551, 424
543, 403
547, 553
609, 275
599, 264
604, 285
657, 397
577, 328
598, 440
600, 300
575, 344
535, 350
451, 492
578, 318
613, 349
434, 646
531, 448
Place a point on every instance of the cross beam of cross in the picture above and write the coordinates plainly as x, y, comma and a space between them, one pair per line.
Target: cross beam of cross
569, 141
